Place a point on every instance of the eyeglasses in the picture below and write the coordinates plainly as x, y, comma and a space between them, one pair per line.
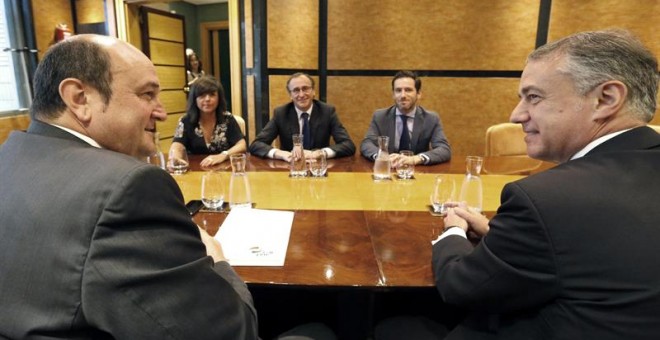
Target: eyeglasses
304, 89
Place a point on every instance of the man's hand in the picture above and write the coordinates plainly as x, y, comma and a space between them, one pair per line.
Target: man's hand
213, 247
283, 155
453, 220
477, 222
398, 159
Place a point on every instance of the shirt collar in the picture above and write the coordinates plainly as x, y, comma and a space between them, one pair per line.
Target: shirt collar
597, 142
87, 139
411, 114
300, 112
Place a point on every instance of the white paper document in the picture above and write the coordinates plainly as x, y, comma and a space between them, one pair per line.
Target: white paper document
255, 237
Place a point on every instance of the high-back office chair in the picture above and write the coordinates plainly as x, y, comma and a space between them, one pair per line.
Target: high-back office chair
11, 123
241, 123
505, 139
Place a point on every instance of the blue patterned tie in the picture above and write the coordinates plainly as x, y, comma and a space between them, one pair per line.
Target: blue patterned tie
404, 142
307, 137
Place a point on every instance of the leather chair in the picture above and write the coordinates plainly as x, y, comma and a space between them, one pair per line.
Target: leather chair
241, 123
505, 139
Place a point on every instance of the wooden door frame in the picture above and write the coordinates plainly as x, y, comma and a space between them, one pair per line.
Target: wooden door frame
205, 30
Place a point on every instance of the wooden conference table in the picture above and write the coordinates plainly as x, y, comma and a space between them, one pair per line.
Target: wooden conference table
351, 231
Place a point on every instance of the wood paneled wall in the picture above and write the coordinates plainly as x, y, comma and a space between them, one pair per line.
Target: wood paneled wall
47, 15
165, 37
469, 52
430, 34
90, 11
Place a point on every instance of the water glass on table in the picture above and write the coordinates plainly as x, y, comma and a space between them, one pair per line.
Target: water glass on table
213, 191
406, 170
443, 196
177, 162
318, 163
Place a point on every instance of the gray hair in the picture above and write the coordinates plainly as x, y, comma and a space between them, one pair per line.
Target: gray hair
296, 75
596, 57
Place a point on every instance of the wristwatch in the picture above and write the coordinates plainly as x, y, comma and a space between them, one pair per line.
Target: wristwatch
226, 153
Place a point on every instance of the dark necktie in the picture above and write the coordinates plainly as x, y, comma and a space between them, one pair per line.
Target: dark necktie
404, 142
307, 137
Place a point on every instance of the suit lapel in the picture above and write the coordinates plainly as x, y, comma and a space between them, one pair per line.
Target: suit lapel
418, 127
391, 128
314, 122
293, 123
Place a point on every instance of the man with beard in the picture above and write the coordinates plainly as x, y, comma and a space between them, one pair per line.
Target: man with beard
408, 125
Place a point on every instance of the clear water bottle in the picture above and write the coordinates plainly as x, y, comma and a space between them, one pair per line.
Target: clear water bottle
157, 158
472, 189
298, 165
382, 164
239, 186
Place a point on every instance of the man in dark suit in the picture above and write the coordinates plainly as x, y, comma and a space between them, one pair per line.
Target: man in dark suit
422, 132
94, 243
571, 252
317, 121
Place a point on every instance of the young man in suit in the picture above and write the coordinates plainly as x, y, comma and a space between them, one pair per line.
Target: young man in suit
317, 121
95, 243
571, 252
422, 132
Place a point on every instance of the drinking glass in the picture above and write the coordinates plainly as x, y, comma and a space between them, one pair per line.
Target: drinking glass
213, 191
157, 158
177, 163
443, 195
318, 163
405, 171
473, 165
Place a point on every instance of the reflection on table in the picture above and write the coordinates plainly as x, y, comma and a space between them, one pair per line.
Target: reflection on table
349, 230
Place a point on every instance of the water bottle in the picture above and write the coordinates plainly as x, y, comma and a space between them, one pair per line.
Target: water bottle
472, 189
298, 165
382, 164
239, 186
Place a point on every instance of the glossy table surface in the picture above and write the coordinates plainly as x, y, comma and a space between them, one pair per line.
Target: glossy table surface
349, 230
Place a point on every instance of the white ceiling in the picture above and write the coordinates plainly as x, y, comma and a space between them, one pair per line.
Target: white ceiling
204, 2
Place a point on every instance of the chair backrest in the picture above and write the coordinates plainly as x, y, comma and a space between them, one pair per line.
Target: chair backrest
241, 123
11, 123
655, 127
505, 139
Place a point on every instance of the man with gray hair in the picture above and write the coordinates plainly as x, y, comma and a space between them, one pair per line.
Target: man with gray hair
570, 252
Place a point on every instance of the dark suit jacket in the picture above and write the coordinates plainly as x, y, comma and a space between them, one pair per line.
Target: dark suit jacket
323, 123
571, 253
96, 244
429, 140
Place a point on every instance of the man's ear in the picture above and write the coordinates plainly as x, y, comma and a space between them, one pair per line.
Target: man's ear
610, 96
73, 94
